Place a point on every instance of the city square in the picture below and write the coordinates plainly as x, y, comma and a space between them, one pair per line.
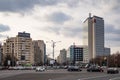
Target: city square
59, 40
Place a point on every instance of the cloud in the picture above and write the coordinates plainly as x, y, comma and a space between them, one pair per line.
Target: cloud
72, 31
115, 6
65, 31
52, 29
58, 17
4, 28
27, 5
23, 5
111, 29
112, 35
16, 5
2, 36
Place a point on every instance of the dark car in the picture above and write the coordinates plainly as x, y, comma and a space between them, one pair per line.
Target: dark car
112, 70
95, 69
74, 68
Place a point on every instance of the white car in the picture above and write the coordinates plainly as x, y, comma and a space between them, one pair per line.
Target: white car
40, 69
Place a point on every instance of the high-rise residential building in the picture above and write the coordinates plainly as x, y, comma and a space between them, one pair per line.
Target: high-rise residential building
39, 50
94, 36
62, 57
19, 49
75, 54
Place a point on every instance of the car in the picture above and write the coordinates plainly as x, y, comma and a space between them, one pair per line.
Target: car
112, 70
74, 68
95, 69
41, 69
65, 67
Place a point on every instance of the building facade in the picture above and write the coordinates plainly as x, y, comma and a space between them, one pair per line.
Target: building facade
94, 36
75, 54
62, 57
39, 50
18, 50
85, 54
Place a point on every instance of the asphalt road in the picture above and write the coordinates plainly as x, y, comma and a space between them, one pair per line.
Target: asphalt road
56, 75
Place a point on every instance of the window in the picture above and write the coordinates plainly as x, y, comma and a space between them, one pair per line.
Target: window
22, 57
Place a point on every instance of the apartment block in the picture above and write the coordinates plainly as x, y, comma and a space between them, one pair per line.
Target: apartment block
39, 50
18, 50
62, 57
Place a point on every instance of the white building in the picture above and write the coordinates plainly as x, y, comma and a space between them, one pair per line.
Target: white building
85, 54
94, 36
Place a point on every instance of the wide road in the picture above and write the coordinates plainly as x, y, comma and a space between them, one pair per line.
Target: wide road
60, 74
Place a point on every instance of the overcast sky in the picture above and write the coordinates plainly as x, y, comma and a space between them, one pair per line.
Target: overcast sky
59, 20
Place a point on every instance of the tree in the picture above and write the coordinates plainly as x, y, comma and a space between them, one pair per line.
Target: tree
11, 59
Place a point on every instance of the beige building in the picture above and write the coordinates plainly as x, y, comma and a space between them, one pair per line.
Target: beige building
19, 48
39, 52
62, 56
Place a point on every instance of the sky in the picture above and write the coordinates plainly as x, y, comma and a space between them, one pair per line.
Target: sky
59, 20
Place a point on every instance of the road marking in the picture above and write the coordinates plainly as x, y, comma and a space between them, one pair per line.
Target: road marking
93, 77
114, 78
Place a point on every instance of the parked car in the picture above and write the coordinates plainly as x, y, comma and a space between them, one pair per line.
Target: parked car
41, 69
112, 70
95, 69
74, 68
65, 67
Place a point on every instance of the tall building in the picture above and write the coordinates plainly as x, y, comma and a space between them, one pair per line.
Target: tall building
94, 36
18, 50
39, 50
62, 56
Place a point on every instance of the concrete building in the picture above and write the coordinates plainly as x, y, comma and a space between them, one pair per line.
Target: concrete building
39, 50
19, 49
94, 36
62, 57
85, 54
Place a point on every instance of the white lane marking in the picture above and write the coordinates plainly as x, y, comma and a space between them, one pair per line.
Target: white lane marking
114, 78
93, 77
